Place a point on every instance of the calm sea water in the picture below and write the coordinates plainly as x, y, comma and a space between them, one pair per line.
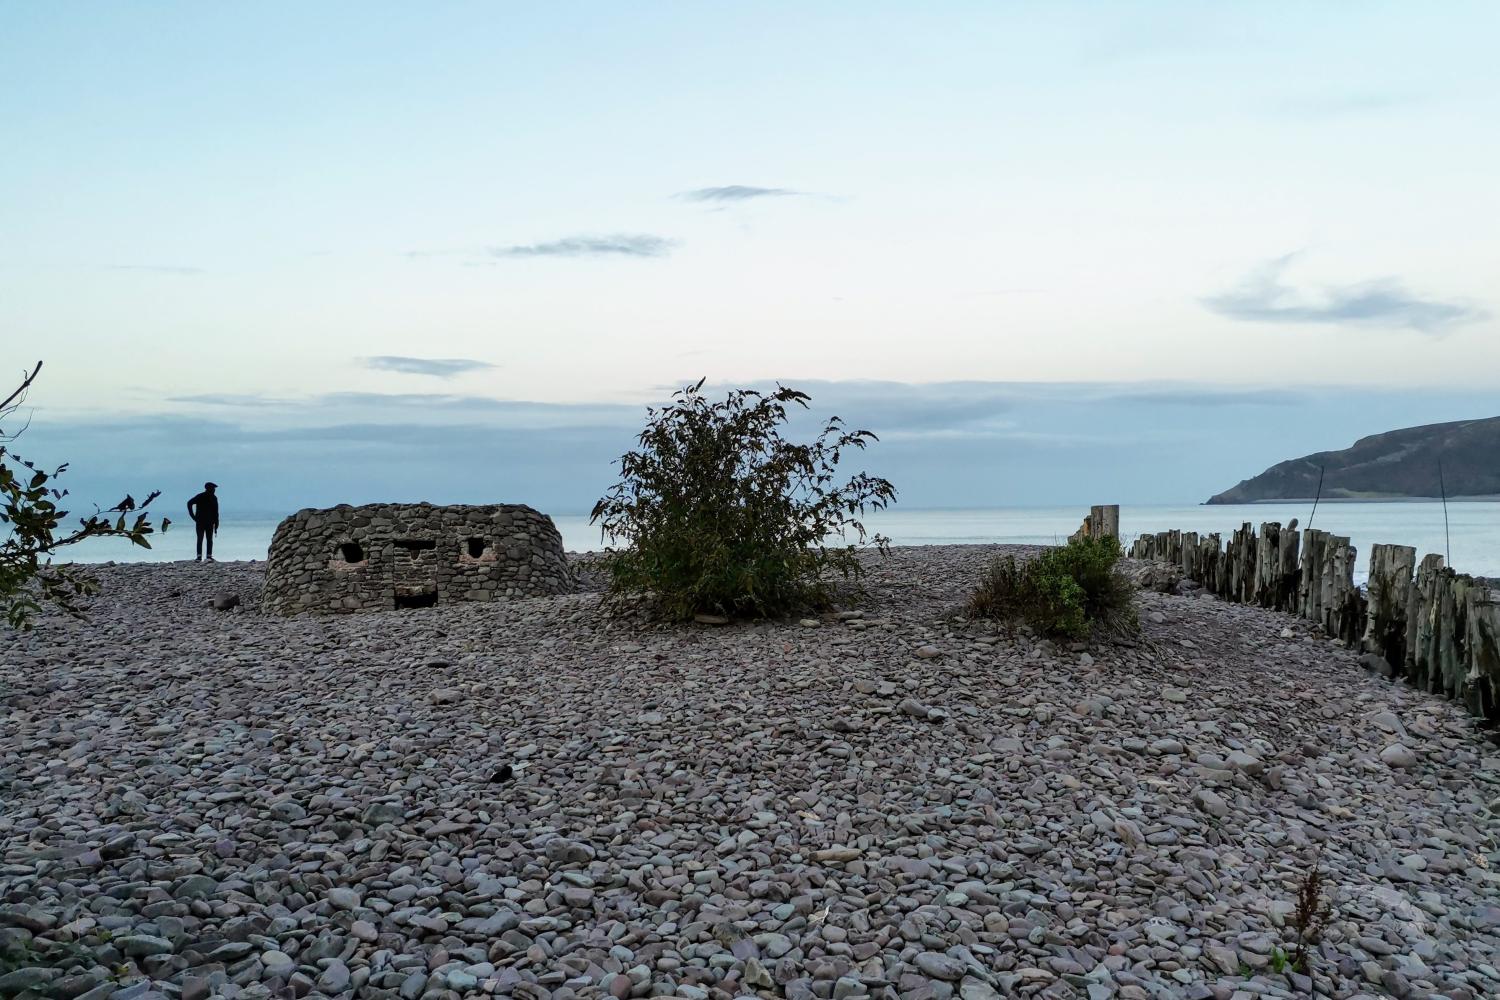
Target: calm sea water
1474, 529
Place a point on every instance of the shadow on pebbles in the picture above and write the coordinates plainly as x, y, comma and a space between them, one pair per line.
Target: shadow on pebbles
535, 800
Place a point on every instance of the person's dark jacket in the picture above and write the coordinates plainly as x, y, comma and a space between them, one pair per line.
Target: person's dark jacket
204, 510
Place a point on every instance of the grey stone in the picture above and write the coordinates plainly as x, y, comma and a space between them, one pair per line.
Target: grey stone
334, 979
939, 966
20, 980
141, 945
1210, 802
1398, 755
344, 898
379, 813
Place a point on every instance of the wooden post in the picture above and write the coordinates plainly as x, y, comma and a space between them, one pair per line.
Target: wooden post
1190, 556
1309, 587
1421, 610
1339, 601
1267, 586
1482, 680
1288, 570
1241, 556
1102, 521
1391, 568
1443, 673
1213, 557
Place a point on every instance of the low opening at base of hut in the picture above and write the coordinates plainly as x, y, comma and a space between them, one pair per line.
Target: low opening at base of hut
420, 599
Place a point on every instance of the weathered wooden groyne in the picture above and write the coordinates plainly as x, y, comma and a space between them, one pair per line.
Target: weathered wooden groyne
1437, 628
1102, 521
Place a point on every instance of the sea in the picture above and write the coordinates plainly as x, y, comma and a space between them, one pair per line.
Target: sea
1468, 534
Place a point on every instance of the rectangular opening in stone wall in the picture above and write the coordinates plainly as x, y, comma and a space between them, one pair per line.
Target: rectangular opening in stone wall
413, 544
422, 599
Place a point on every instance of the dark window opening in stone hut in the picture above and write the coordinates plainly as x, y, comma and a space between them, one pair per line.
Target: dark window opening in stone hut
423, 599
414, 544
351, 552
476, 547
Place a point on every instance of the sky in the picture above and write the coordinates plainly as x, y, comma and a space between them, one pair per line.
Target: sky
1050, 253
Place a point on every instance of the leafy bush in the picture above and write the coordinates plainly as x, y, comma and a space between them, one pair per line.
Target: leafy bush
1064, 592
722, 515
31, 523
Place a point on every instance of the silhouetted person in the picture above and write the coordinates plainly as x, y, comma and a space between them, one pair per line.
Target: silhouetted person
204, 510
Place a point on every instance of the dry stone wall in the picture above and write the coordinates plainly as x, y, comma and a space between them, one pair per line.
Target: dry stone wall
1437, 628
382, 557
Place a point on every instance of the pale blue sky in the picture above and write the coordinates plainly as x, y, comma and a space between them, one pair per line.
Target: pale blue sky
214, 217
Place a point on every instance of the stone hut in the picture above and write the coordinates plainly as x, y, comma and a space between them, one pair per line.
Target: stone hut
381, 557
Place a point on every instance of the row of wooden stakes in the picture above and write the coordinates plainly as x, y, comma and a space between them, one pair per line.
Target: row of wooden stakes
1437, 628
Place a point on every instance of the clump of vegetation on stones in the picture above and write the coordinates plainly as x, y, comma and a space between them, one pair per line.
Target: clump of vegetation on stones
1066, 592
722, 515
1310, 916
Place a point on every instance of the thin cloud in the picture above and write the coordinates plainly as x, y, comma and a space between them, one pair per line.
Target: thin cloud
618, 245
1209, 397
1263, 297
436, 367
1344, 105
418, 409
157, 269
227, 399
447, 405
735, 193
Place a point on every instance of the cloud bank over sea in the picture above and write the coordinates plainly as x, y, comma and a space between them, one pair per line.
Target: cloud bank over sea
950, 444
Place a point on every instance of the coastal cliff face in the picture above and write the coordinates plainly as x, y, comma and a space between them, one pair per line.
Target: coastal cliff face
1401, 463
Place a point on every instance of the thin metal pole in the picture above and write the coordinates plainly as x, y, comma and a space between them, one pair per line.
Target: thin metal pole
1316, 499
1443, 490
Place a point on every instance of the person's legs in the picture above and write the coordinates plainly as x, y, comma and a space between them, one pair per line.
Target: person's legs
201, 532
208, 537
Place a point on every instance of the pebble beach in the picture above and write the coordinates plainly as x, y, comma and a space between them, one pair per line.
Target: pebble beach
539, 800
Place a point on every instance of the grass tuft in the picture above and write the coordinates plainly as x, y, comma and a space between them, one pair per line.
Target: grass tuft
1066, 592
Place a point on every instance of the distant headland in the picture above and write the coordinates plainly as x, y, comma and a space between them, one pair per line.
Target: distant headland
1397, 465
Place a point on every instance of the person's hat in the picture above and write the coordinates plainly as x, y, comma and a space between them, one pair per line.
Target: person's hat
210, 486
